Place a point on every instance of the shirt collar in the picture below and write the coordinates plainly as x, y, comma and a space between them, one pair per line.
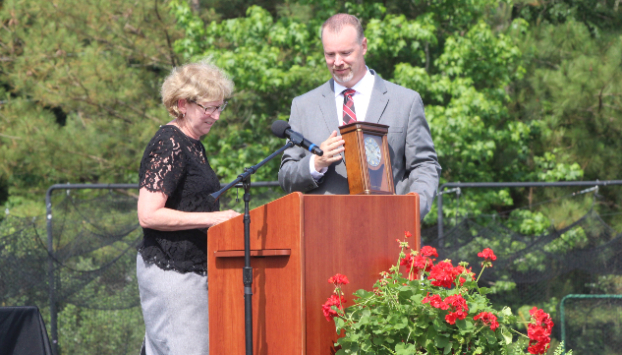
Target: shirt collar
364, 86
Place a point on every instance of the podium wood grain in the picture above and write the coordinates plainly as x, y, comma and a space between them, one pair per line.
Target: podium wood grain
323, 235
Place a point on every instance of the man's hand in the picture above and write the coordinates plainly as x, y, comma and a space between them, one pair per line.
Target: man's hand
331, 147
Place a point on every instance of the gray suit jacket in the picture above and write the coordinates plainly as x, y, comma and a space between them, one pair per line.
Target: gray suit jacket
413, 158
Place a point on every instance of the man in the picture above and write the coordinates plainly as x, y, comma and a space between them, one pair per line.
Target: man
319, 113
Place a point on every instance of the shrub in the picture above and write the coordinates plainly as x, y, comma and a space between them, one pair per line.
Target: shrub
436, 308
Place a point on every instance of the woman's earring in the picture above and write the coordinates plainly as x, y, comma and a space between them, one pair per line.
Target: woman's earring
183, 115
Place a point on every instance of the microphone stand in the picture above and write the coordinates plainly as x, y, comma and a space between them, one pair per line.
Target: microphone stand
247, 274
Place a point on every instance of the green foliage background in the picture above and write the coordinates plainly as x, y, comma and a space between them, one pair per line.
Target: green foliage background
514, 90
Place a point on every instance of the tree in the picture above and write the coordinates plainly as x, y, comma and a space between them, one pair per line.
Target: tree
573, 88
446, 50
80, 91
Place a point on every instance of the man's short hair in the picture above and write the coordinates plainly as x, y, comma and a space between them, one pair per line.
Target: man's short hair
337, 22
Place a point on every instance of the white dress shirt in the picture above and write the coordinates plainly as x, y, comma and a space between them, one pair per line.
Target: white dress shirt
361, 98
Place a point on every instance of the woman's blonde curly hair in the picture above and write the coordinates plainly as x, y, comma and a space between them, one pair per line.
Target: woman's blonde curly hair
200, 81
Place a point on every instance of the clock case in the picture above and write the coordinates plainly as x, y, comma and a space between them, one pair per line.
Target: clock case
363, 178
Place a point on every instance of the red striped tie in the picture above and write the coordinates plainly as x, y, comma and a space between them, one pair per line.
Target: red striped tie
349, 114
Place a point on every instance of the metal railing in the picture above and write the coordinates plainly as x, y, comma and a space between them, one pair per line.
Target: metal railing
563, 312
457, 186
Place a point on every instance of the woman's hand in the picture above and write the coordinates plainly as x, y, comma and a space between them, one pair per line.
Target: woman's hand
152, 214
222, 216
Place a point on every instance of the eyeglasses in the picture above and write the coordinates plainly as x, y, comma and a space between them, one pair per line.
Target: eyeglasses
210, 109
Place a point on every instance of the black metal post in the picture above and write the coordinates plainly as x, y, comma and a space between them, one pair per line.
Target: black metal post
51, 281
248, 270
439, 217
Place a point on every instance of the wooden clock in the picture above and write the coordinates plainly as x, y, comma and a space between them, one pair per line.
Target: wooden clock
368, 163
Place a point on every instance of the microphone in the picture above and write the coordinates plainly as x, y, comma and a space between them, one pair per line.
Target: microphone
282, 129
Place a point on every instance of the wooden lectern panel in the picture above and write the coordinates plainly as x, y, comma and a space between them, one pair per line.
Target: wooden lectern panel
355, 237
323, 235
278, 298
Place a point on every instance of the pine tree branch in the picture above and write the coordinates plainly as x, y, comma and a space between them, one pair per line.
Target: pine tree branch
108, 109
10, 137
153, 118
168, 38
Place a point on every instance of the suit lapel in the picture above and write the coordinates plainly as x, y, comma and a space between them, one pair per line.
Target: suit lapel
328, 107
378, 100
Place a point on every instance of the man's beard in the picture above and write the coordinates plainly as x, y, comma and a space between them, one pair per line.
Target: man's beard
344, 78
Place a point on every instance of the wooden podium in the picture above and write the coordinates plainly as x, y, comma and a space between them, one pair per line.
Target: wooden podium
297, 243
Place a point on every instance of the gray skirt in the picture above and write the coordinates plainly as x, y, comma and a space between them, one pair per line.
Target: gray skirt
174, 309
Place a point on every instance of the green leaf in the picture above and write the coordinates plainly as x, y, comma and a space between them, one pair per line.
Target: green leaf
363, 294
431, 333
490, 336
464, 325
506, 311
441, 341
448, 348
484, 290
507, 336
405, 349
339, 323
417, 298
402, 323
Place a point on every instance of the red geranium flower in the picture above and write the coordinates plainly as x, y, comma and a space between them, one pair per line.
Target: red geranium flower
422, 263
539, 331
416, 263
456, 301
429, 251
338, 280
327, 309
407, 234
442, 274
451, 318
539, 340
458, 308
542, 318
488, 318
435, 301
488, 255
461, 270
456, 305
407, 261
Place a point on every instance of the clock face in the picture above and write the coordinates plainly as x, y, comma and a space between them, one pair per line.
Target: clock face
372, 151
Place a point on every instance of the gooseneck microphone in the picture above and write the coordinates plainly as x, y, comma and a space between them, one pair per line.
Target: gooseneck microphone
282, 129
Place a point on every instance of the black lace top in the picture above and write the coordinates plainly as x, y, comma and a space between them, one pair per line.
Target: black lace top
176, 165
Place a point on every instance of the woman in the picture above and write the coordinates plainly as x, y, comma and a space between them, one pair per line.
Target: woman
175, 212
